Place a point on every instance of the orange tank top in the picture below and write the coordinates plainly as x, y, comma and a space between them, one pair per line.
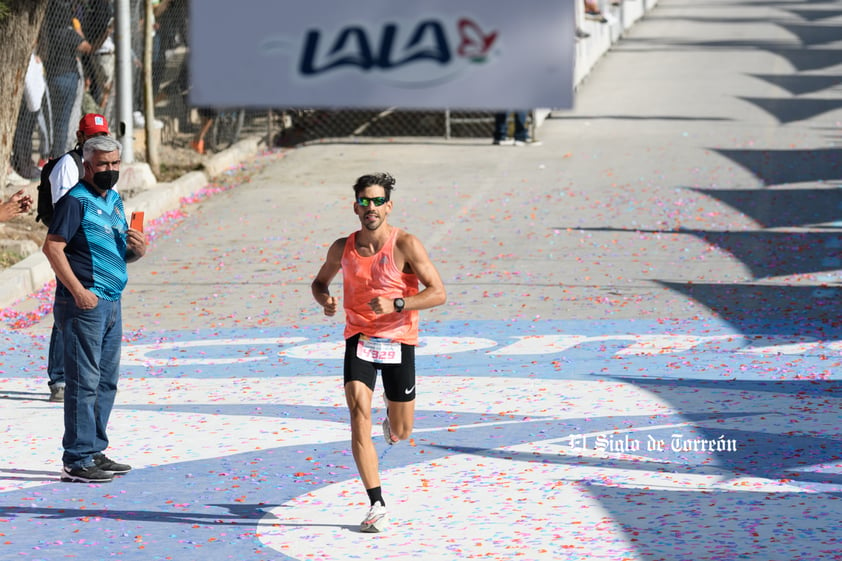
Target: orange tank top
365, 278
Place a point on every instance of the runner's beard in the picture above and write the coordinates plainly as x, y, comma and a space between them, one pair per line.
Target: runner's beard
372, 224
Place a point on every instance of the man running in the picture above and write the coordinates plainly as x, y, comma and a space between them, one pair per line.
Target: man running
381, 267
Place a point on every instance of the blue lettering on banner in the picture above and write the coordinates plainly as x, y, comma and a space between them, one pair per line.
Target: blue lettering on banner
428, 41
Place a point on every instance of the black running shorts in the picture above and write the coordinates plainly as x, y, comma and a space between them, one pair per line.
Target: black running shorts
398, 379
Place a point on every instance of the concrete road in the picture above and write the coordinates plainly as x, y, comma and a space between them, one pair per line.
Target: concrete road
687, 179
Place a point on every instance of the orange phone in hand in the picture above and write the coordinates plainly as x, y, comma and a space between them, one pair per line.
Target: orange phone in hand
137, 221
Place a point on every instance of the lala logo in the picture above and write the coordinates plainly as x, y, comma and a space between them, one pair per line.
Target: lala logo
407, 55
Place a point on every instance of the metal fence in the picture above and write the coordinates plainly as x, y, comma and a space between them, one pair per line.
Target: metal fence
75, 60
71, 72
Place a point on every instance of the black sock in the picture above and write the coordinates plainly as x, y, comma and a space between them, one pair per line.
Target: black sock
375, 494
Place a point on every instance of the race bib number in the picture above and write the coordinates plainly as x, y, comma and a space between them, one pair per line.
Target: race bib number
379, 350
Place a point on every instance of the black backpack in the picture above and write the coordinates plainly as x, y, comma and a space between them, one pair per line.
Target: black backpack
45, 190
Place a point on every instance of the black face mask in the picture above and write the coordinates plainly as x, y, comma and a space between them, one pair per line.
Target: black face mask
105, 180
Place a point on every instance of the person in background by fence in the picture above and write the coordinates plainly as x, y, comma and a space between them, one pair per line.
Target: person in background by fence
63, 46
159, 47
98, 29
29, 114
521, 133
22, 162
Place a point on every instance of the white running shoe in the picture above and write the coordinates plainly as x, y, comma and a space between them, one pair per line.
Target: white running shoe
387, 428
375, 520
528, 142
387, 431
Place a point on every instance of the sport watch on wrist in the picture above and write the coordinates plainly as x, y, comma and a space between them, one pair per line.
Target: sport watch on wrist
399, 304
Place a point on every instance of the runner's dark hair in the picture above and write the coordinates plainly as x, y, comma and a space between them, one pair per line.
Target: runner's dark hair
384, 179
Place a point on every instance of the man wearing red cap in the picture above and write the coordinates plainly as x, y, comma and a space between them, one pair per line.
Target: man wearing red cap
65, 174
63, 177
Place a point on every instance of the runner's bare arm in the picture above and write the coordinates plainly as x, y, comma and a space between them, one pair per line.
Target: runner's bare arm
415, 255
321, 284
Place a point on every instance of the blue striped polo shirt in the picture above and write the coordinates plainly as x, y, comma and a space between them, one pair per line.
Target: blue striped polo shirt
94, 228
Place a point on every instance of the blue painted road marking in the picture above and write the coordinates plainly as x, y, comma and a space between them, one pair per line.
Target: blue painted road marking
539, 435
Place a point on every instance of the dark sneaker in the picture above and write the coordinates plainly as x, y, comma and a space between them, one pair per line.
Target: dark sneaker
105, 463
90, 474
57, 394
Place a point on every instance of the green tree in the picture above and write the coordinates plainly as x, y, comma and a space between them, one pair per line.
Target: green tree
20, 21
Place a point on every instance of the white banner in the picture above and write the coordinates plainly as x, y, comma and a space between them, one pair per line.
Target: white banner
484, 54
